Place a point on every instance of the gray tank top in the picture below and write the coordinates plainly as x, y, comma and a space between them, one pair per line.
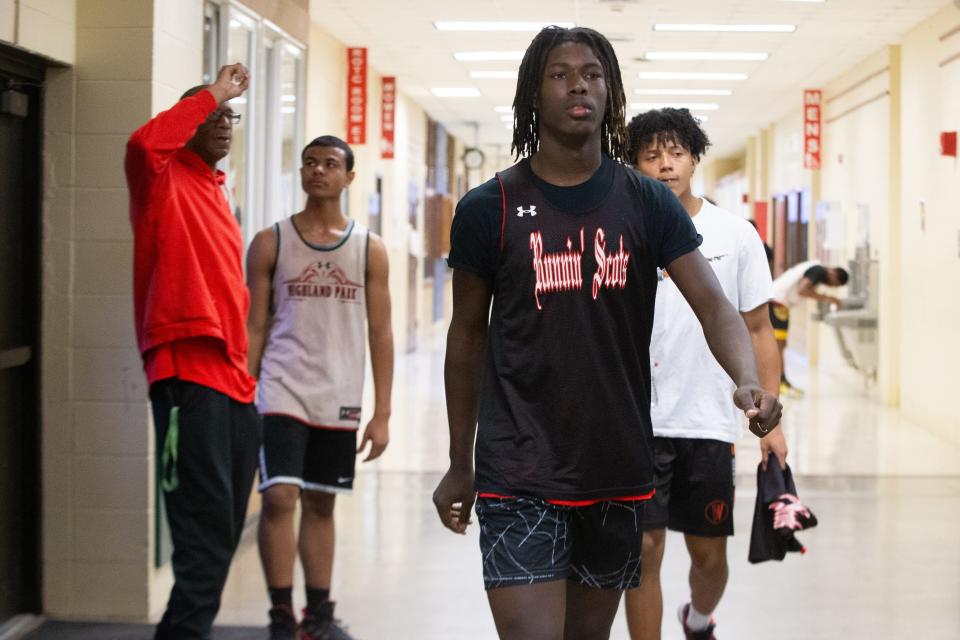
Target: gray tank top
313, 363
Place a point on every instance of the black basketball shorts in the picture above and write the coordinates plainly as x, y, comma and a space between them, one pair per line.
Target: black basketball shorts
311, 458
695, 486
780, 319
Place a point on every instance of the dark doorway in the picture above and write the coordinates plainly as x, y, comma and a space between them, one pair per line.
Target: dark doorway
21, 80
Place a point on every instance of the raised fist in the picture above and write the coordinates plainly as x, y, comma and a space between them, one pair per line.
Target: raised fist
232, 80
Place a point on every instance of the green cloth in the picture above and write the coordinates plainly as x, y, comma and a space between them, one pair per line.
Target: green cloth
169, 481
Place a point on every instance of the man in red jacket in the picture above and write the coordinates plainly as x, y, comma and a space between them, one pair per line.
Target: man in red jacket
190, 309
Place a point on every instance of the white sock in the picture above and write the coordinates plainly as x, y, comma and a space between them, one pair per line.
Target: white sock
697, 621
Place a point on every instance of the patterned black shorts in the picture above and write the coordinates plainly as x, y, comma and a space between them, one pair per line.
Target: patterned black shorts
527, 540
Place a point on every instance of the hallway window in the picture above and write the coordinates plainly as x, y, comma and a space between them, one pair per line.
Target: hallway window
241, 159
211, 41
264, 162
291, 114
283, 72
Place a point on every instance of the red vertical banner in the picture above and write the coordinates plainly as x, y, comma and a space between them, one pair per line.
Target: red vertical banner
812, 128
356, 95
761, 218
388, 110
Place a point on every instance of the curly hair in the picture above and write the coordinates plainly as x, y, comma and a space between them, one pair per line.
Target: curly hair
666, 126
526, 128
331, 141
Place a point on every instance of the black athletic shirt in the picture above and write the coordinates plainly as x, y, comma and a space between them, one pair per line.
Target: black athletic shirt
565, 396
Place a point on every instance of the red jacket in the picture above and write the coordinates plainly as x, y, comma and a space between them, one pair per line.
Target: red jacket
190, 299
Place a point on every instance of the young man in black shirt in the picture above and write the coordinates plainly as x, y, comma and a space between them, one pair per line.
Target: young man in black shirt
566, 245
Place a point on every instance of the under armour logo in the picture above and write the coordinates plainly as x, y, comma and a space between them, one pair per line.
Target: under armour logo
532, 211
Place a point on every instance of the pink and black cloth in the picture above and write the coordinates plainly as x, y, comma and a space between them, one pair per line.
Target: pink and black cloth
778, 514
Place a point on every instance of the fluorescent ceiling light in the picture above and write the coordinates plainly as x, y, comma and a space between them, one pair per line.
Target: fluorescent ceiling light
705, 55
684, 92
503, 109
692, 106
494, 75
455, 92
475, 25
689, 75
487, 56
750, 28
506, 118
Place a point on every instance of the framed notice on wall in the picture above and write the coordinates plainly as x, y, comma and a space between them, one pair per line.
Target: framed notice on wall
356, 95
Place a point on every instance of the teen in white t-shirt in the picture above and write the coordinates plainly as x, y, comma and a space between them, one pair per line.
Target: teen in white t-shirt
695, 422
679, 356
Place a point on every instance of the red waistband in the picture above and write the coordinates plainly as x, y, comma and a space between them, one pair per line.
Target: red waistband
577, 503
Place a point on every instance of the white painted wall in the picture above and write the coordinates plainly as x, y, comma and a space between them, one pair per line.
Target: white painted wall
97, 530
856, 178
930, 231
48, 27
786, 151
8, 12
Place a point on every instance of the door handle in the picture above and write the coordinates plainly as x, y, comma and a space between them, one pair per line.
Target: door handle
15, 357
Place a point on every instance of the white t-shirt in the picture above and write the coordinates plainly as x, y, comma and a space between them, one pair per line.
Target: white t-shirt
691, 394
787, 284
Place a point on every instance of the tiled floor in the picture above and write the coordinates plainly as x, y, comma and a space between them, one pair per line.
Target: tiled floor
884, 562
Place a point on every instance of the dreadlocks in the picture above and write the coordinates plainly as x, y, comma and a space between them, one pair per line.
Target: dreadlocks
526, 128
666, 126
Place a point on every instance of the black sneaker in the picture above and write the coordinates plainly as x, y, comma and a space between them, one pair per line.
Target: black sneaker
690, 634
283, 624
319, 624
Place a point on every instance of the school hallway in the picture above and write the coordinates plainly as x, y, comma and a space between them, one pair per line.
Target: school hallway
832, 128
881, 564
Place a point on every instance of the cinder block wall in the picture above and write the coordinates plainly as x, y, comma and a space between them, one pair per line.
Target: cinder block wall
129, 60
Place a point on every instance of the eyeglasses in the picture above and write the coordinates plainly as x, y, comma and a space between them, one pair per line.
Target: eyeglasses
219, 114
